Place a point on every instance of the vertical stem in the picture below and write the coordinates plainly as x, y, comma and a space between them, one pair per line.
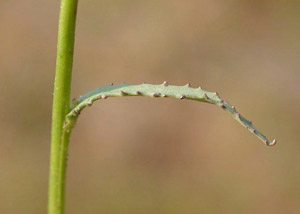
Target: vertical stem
61, 105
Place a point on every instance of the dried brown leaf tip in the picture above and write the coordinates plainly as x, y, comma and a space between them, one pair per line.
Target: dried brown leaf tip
273, 143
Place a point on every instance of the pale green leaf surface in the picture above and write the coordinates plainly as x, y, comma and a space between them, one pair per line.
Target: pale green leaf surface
165, 91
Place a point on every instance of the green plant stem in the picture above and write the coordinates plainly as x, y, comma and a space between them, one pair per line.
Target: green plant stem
61, 105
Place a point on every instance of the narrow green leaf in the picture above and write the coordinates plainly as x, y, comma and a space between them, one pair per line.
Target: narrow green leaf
163, 90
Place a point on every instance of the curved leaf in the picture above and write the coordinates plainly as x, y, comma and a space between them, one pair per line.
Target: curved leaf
162, 90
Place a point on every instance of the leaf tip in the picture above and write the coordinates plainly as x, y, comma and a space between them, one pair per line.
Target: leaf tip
273, 143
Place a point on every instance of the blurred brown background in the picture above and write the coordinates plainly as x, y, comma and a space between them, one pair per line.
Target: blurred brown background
141, 155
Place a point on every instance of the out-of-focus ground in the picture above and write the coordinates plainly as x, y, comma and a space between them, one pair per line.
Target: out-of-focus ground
141, 155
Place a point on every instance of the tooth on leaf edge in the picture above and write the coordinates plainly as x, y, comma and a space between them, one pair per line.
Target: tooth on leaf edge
205, 96
156, 95
123, 93
89, 103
